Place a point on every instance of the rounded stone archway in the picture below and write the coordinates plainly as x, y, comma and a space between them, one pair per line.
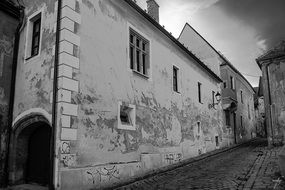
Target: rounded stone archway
30, 151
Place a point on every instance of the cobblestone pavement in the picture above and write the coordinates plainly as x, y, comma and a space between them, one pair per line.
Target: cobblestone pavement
250, 166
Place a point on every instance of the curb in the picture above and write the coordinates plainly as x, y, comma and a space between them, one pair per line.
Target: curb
180, 164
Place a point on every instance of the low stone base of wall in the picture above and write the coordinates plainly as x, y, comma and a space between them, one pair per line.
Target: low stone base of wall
99, 176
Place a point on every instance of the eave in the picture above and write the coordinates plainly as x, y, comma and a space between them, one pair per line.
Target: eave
10, 9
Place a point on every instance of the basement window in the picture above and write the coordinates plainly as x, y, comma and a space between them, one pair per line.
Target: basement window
126, 116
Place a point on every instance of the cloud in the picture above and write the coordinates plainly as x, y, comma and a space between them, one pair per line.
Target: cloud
174, 14
265, 16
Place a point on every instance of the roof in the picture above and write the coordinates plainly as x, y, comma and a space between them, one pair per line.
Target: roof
10, 8
173, 39
226, 61
276, 52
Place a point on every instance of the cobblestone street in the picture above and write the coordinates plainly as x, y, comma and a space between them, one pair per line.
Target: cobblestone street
250, 166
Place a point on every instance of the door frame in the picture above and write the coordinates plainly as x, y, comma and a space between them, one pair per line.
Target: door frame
22, 125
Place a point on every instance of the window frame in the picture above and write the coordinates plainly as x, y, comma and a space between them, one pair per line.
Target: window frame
175, 79
225, 84
144, 61
123, 125
232, 82
248, 110
34, 35
38, 15
200, 92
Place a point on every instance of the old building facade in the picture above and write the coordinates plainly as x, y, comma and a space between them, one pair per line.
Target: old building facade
237, 93
259, 110
104, 93
272, 64
238, 103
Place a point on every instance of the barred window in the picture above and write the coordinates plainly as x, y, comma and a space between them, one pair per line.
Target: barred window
139, 53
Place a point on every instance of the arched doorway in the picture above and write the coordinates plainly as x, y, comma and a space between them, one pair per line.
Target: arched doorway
30, 152
38, 159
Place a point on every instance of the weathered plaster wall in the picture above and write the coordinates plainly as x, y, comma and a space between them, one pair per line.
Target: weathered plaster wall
260, 117
246, 129
8, 27
200, 48
226, 73
277, 93
166, 121
34, 75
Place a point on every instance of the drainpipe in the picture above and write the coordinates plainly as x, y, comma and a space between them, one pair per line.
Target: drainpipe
12, 92
53, 169
270, 139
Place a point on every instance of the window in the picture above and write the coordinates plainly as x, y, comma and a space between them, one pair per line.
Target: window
228, 118
232, 83
241, 122
198, 127
175, 79
36, 37
126, 116
241, 98
225, 84
199, 92
248, 110
139, 53
33, 38
217, 141
213, 97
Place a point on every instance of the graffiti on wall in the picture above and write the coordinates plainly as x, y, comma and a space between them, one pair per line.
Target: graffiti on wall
65, 147
106, 173
68, 160
171, 158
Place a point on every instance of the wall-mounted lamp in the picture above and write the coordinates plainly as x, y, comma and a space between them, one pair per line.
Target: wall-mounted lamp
218, 98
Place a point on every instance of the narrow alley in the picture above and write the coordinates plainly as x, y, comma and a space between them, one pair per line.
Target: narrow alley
249, 166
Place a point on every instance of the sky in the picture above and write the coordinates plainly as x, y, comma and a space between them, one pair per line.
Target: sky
241, 30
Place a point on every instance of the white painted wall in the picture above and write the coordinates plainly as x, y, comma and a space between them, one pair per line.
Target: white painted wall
199, 47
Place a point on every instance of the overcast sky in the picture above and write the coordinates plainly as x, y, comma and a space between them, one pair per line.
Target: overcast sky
241, 29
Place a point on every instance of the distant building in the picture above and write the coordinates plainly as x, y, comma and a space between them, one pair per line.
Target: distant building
238, 103
272, 65
237, 93
259, 111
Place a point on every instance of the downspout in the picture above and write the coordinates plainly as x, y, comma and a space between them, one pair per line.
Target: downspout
12, 92
53, 177
270, 139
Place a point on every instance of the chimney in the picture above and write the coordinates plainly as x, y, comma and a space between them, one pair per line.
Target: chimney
153, 9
